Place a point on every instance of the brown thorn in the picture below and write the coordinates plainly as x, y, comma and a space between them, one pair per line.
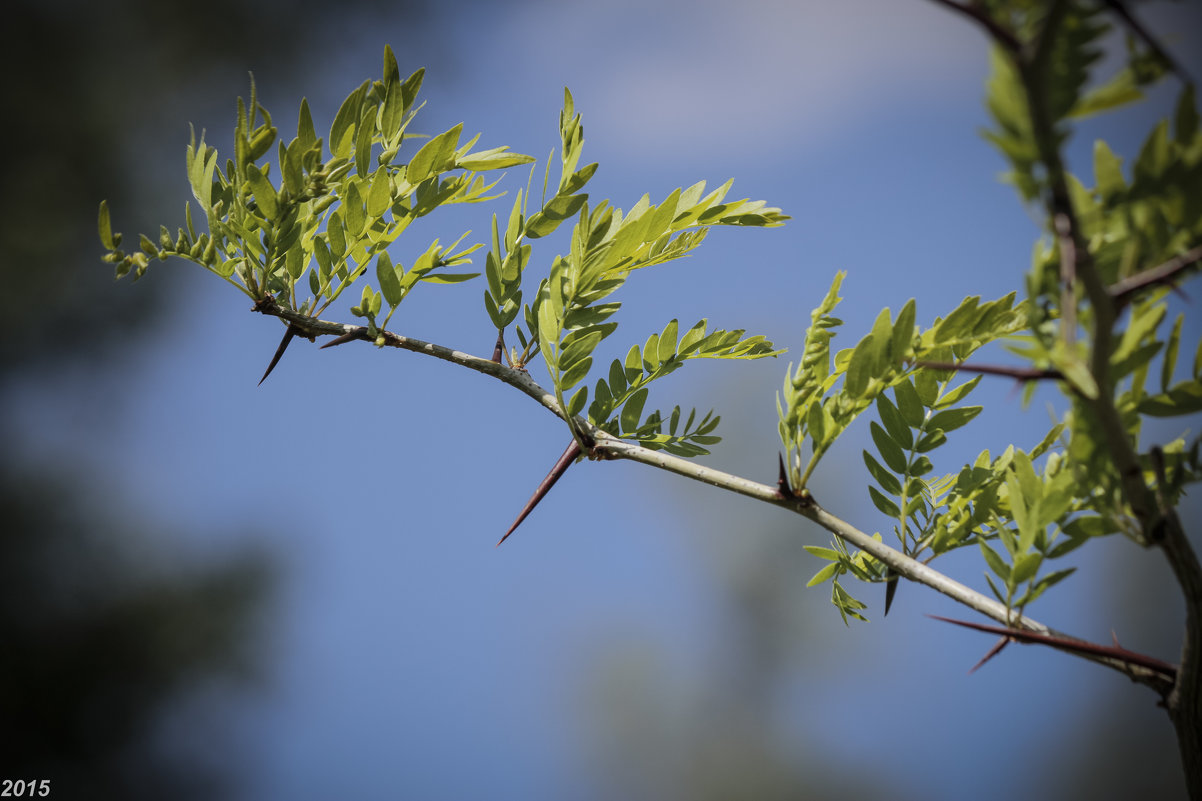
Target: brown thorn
890, 589
291, 332
349, 336
782, 481
500, 346
561, 466
994, 651
1072, 646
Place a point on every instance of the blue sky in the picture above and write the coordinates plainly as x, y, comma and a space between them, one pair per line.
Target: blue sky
409, 657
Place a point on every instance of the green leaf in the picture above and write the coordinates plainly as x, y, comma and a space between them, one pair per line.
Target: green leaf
951, 419
1025, 567
1184, 398
632, 411
860, 368
958, 322
305, 132
342, 130
495, 159
887, 480
667, 342
926, 386
364, 137
890, 451
352, 206
264, 192
577, 402
1108, 171
560, 208
958, 394
1052, 579
292, 168
908, 404
830, 554
1185, 119
379, 195
435, 156
995, 562
106, 227
898, 431
448, 278
887, 507
390, 285
412, 86
1154, 157
578, 344
827, 572
930, 441
903, 333
1169, 364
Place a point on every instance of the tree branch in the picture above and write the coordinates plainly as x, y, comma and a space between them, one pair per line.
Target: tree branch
1123, 290
914, 570
1069, 644
1137, 28
1159, 525
310, 327
1017, 373
999, 34
606, 446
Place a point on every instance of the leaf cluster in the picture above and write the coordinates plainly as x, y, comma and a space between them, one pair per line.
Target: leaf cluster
337, 205
340, 203
925, 407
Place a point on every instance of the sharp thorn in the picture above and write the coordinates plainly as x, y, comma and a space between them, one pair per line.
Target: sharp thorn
994, 651
782, 481
350, 336
500, 347
561, 467
1081, 647
279, 352
892, 581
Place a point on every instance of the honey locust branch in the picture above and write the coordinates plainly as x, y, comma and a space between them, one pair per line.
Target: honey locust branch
606, 446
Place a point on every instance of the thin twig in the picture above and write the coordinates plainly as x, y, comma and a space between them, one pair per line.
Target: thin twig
1123, 290
1017, 373
1003, 37
1120, 10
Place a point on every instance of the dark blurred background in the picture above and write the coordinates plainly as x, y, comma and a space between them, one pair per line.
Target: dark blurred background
212, 591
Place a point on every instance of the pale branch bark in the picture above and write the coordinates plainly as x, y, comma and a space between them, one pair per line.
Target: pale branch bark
605, 446
310, 327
